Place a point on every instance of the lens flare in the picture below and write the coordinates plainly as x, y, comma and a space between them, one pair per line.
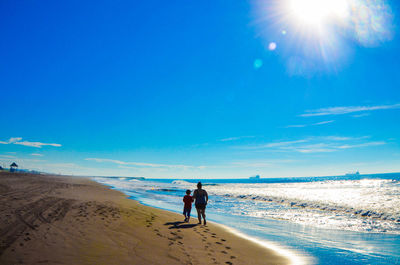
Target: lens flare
319, 36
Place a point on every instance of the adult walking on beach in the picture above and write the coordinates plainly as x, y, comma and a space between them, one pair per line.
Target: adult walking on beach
201, 199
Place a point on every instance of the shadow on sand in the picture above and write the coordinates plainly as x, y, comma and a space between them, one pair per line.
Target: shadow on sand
176, 225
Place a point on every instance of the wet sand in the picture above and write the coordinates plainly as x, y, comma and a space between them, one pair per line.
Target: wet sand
71, 220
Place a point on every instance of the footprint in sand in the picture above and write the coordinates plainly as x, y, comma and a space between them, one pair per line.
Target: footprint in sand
228, 247
233, 257
228, 262
223, 251
223, 240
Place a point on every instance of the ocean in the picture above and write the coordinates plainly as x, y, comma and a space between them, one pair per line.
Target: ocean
320, 220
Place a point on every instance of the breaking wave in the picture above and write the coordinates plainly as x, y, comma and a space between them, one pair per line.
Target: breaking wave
371, 205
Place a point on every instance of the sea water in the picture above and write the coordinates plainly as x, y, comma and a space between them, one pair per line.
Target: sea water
325, 220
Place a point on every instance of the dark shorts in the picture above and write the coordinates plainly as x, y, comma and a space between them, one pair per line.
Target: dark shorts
201, 206
186, 211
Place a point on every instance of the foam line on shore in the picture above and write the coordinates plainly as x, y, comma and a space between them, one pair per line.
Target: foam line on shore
295, 257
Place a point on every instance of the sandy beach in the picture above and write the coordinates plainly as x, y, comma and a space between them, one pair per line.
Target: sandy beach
71, 220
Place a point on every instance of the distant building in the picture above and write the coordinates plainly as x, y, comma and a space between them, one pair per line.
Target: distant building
13, 167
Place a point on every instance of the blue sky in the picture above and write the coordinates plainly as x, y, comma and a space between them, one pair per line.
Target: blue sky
199, 89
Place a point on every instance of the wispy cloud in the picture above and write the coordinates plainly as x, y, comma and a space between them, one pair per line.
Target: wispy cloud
36, 154
14, 139
347, 146
18, 140
315, 148
7, 159
323, 122
261, 163
346, 110
139, 164
283, 143
271, 145
235, 138
361, 115
342, 138
11, 140
320, 144
36, 144
312, 124
296, 126
8, 156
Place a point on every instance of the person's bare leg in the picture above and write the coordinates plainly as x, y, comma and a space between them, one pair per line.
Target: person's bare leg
199, 215
203, 213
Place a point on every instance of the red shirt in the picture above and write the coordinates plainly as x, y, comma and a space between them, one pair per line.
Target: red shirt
187, 199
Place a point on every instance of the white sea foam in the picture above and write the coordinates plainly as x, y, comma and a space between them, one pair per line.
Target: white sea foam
366, 205
371, 205
182, 183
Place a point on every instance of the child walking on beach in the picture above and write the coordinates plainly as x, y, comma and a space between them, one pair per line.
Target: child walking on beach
187, 199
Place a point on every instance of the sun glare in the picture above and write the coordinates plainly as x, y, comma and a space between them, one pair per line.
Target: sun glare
318, 12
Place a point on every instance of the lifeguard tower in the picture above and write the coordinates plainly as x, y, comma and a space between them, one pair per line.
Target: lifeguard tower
13, 167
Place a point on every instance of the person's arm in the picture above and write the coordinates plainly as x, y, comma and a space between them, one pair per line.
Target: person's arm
206, 197
194, 195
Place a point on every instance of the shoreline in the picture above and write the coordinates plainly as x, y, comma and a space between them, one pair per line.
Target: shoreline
293, 256
75, 220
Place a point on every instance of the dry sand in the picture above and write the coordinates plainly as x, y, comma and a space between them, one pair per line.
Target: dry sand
70, 220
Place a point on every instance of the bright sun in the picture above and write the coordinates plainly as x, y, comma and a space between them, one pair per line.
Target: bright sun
318, 12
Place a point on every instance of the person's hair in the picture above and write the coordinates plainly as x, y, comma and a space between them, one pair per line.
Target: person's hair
187, 192
199, 185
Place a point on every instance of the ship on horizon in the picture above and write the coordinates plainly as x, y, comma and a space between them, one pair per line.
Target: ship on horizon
352, 174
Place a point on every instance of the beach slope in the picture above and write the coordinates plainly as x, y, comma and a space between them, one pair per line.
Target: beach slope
71, 220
